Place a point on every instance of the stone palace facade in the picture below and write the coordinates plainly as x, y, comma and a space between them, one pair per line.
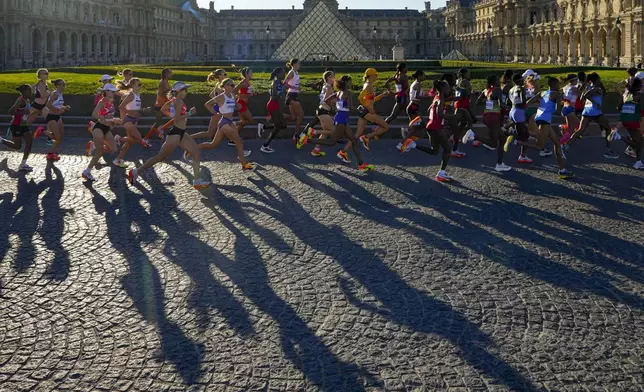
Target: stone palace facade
580, 32
36, 33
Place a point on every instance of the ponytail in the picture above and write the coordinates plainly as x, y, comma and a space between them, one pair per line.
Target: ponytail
213, 76
292, 63
123, 86
275, 73
341, 84
326, 75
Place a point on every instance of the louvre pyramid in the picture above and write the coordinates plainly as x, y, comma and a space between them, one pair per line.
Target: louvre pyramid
321, 33
455, 55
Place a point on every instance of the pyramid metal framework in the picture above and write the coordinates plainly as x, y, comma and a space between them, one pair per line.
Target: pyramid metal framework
321, 33
455, 55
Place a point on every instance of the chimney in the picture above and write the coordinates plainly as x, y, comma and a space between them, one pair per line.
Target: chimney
428, 6
293, 7
405, 8
346, 8
232, 7
212, 6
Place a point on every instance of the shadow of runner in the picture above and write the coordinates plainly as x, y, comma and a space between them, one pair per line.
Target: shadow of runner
301, 346
21, 217
53, 223
402, 303
143, 283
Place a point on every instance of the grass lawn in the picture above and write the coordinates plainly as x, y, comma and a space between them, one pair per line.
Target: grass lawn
84, 80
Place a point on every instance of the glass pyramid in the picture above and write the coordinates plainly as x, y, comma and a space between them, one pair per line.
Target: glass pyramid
320, 34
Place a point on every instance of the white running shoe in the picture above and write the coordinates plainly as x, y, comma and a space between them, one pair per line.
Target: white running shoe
260, 130
25, 167
266, 149
489, 147
545, 153
146, 143
502, 167
442, 176
614, 135
87, 174
468, 137
186, 157
638, 165
524, 159
630, 152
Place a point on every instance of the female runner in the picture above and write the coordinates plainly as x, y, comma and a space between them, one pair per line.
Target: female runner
593, 95
570, 95
547, 107
105, 79
215, 77
630, 117
274, 109
225, 129
436, 131
176, 137
518, 99
19, 128
56, 106
531, 79
161, 99
402, 84
102, 137
459, 123
343, 106
323, 114
493, 96
293, 95
244, 91
130, 110
416, 123
39, 105
366, 112
318, 86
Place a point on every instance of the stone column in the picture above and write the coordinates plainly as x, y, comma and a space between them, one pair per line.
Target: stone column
627, 37
594, 55
572, 57
560, 56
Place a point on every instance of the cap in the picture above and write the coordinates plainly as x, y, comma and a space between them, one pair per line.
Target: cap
106, 78
180, 86
370, 72
529, 73
109, 87
640, 75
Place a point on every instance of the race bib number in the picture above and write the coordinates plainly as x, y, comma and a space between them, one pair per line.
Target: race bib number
489, 105
540, 112
628, 109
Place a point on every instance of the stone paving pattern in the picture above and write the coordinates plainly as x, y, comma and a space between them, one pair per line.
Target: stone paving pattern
308, 275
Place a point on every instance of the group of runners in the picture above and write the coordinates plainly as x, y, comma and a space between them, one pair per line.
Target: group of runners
515, 112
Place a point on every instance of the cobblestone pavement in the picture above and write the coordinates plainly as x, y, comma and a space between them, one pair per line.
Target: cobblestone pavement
308, 275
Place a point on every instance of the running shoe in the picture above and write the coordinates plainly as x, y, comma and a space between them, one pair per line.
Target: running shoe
442, 176
609, 154
302, 140
489, 147
25, 167
249, 166
523, 159
365, 167
399, 147
547, 153
365, 142
630, 152
318, 153
199, 183
468, 137
266, 149
186, 157
119, 163
566, 174
477, 143
457, 154
502, 167
146, 143
90, 126
508, 143
132, 176
87, 174
614, 135
638, 165
231, 143
407, 145
344, 157
39, 132
260, 130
